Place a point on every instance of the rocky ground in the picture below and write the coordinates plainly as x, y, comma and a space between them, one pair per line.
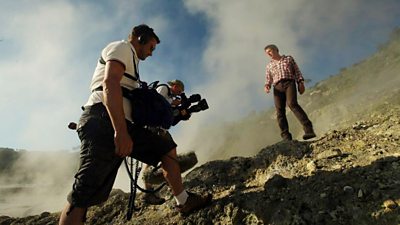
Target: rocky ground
348, 176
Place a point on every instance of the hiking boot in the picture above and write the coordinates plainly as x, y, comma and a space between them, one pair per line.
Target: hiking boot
194, 202
310, 135
153, 199
286, 136
308, 132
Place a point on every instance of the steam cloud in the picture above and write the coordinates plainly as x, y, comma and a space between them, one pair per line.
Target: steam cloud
318, 34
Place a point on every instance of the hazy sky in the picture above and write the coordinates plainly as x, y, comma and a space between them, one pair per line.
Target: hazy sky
49, 50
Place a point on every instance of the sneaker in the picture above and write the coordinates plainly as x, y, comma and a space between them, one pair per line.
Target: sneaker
153, 199
194, 202
309, 135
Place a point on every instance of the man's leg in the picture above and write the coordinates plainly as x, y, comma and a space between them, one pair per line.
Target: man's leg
98, 166
150, 198
156, 177
280, 106
291, 94
186, 202
172, 172
74, 216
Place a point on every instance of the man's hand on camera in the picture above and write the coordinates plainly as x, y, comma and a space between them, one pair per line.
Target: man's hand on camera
184, 112
176, 102
186, 116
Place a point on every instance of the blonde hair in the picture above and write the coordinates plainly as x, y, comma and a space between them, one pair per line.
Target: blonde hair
177, 82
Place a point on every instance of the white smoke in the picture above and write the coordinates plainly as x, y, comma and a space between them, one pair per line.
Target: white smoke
234, 60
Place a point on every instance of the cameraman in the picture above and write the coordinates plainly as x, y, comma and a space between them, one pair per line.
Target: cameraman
170, 91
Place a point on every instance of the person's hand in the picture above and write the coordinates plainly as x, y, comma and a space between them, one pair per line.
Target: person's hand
267, 88
176, 102
184, 112
123, 144
186, 116
301, 88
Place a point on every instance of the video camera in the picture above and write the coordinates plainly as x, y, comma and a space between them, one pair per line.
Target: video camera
185, 109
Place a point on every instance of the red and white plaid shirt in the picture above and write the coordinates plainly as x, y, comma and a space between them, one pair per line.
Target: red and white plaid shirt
285, 68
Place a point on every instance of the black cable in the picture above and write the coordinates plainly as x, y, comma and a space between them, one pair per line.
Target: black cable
138, 186
134, 186
131, 204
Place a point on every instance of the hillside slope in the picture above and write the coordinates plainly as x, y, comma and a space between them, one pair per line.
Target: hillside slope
348, 176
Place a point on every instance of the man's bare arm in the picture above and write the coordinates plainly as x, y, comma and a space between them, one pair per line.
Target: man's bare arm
114, 103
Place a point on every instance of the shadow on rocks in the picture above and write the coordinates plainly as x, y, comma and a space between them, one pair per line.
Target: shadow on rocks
323, 198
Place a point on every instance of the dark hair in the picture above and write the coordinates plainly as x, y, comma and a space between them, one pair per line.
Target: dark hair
146, 31
271, 47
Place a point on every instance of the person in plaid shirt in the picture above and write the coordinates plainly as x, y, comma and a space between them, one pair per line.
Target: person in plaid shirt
283, 73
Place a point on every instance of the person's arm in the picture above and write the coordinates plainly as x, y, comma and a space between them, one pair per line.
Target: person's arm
301, 88
298, 77
163, 90
114, 103
268, 80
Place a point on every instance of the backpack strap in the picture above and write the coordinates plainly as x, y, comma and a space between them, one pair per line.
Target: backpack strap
169, 89
127, 75
153, 85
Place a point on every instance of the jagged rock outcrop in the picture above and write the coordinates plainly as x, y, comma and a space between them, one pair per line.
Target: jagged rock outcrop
347, 176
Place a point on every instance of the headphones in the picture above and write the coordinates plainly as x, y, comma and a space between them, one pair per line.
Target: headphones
144, 33
143, 39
